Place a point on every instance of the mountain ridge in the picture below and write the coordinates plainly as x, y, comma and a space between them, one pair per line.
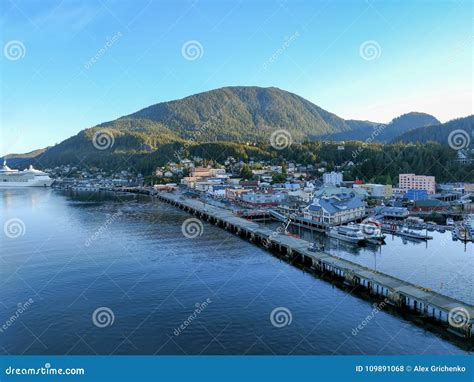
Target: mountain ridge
240, 114
441, 133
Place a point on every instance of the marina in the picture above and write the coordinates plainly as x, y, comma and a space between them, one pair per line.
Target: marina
432, 307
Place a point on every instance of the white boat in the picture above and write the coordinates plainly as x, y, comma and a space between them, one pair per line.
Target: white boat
449, 221
463, 233
372, 231
350, 233
469, 224
411, 234
27, 178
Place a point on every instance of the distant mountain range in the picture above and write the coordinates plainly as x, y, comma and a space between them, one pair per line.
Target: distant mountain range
380, 132
237, 114
441, 133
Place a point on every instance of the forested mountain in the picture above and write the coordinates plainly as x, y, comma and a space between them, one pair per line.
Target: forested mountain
440, 133
238, 122
237, 114
379, 132
243, 114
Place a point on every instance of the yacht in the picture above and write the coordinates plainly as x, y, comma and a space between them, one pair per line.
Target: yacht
351, 233
411, 234
372, 231
27, 178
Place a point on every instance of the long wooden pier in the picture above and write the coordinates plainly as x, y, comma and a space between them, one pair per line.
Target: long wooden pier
442, 311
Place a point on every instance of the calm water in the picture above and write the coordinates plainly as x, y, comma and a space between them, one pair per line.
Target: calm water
77, 253
444, 265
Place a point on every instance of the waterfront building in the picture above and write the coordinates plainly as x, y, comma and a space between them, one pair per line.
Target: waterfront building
262, 199
235, 194
332, 190
416, 194
376, 190
468, 188
332, 178
430, 205
335, 209
203, 177
394, 212
217, 190
300, 195
421, 182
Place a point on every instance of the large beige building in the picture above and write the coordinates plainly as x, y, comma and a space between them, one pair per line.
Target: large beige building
420, 182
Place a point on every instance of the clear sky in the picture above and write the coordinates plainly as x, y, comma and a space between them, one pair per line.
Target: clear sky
71, 64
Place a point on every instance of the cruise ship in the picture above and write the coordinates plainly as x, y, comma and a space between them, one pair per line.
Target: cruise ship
27, 178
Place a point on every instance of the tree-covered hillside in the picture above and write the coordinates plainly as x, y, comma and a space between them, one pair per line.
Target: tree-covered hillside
441, 133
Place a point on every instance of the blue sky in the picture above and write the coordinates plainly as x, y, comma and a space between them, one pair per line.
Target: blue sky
71, 64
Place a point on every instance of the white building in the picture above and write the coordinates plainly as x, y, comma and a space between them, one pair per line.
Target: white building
332, 178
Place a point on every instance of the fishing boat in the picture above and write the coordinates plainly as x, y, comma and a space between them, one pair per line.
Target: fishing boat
411, 234
351, 234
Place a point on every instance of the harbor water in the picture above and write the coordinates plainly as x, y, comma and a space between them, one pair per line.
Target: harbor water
101, 273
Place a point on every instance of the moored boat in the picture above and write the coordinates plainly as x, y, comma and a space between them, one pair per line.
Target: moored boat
351, 234
463, 233
411, 234
372, 231
27, 178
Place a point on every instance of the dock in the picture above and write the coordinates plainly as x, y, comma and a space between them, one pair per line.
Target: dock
431, 307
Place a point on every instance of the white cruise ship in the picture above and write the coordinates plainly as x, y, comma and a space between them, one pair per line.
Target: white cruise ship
25, 178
